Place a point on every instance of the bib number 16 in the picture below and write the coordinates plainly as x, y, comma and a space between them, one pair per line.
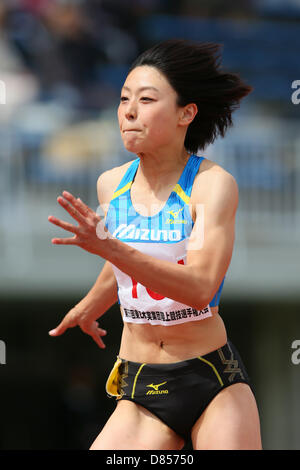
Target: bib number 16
152, 294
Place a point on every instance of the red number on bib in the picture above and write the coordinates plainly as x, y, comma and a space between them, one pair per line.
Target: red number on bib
134, 288
152, 294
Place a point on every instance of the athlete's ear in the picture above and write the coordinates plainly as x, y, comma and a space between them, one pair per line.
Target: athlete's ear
188, 113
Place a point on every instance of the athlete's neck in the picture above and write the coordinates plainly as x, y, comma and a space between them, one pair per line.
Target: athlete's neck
156, 169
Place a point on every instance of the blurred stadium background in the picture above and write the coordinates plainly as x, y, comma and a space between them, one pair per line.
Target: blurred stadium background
61, 67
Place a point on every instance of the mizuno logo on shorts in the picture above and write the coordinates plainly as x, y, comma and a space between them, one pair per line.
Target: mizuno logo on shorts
156, 391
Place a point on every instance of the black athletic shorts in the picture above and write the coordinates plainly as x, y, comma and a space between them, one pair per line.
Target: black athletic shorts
178, 393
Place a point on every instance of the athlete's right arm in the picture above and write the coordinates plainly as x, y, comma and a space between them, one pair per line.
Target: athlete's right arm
103, 294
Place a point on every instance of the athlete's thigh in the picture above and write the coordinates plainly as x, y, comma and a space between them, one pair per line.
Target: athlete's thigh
230, 421
131, 426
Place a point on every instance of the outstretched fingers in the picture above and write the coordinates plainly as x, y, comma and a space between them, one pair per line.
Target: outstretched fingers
71, 209
62, 327
97, 338
81, 207
65, 241
78, 210
62, 224
96, 334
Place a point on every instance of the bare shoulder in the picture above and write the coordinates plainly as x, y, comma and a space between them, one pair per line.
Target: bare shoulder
209, 168
108, 182
216, 185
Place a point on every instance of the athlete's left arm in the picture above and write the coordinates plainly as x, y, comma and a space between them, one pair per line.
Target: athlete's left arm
212, 239
194, 283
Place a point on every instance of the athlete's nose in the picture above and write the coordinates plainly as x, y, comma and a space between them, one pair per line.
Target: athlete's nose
131, 112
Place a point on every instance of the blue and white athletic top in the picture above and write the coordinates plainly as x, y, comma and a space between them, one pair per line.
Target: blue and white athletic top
163, 236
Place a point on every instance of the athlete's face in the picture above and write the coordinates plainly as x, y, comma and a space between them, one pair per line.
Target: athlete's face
148, 113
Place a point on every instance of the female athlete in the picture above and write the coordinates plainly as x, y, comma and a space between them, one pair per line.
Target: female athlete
167, 238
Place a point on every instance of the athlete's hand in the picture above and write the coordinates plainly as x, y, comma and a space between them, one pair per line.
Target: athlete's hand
77, 317
89, 234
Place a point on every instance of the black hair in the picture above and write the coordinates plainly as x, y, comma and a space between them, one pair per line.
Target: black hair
193, 70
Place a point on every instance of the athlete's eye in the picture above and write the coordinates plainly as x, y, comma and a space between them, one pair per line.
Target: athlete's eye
123, 98
146, 98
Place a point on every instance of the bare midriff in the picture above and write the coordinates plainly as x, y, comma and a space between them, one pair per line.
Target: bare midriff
166, 344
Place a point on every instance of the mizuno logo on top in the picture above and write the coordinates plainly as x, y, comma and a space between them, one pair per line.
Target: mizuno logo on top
132, 232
